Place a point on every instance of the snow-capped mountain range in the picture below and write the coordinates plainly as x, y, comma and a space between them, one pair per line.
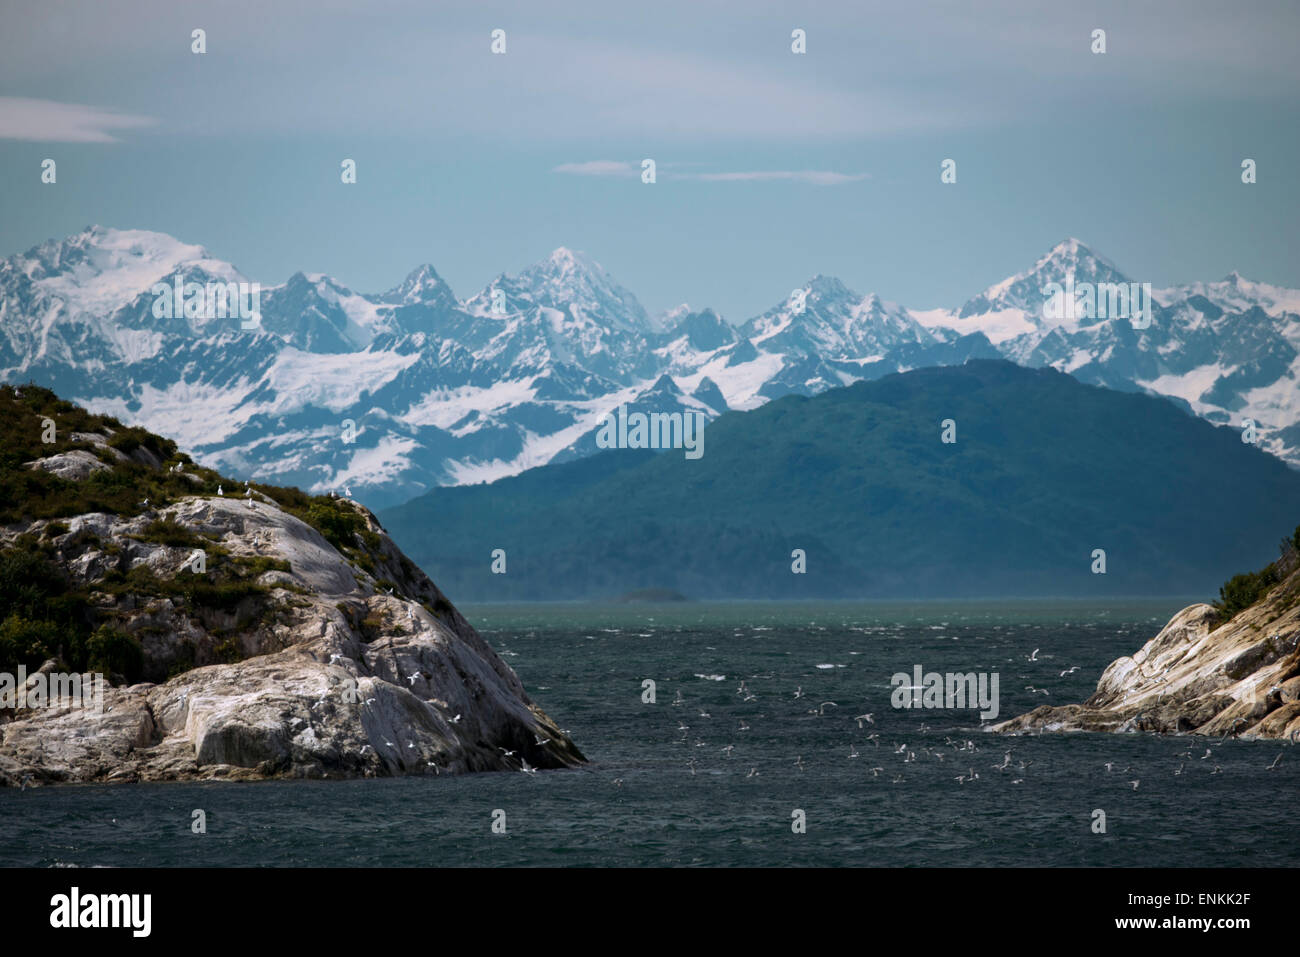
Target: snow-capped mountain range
389, 394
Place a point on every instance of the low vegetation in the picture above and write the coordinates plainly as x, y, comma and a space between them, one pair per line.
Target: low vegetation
27, 494
1248, 588
46, 614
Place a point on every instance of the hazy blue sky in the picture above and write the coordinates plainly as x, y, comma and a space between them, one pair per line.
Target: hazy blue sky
460, 152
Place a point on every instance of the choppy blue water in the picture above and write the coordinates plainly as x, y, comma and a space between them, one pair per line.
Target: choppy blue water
658, 794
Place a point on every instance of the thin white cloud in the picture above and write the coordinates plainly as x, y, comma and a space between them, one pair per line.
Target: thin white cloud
818, 177
597, 168
47, 121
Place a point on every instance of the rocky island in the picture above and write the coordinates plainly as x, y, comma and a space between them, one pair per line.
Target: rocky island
1227, 669
243, 630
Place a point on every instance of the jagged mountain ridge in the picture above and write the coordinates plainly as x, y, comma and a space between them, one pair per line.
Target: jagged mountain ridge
444, 391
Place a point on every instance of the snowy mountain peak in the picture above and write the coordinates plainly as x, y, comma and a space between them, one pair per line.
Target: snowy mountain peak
421, 285
99, 270
569, 281
1023, 292
1072, 256
828, 287
565, 260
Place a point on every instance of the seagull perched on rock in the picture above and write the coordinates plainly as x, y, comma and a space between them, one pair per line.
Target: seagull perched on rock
219, 492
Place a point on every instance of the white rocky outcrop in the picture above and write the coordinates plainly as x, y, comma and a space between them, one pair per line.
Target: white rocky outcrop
334, 677
1200, 675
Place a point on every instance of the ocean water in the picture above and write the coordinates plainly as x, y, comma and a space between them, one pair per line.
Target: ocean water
658, 794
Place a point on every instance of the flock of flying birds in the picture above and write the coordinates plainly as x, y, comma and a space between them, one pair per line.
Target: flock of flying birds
956, 751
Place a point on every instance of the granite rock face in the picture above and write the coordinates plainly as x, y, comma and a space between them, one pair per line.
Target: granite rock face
342, 671
1200, 675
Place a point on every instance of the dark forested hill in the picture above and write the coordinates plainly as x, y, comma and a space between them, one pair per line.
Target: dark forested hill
1044, 471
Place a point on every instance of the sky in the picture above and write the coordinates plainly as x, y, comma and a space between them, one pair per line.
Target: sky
771, 166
